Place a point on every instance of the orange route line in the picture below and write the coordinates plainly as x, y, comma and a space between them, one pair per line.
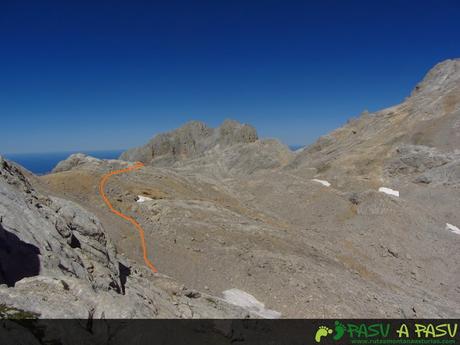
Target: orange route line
138, 227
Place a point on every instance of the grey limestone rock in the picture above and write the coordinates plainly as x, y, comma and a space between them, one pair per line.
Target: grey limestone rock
56, 261
191, 140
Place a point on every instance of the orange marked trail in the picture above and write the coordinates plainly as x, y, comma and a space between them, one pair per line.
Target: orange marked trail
138, 227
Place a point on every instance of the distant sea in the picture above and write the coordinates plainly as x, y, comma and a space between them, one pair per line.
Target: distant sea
43, 163
295, 147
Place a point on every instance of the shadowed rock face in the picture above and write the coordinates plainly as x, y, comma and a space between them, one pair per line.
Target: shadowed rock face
189, 141
18, 259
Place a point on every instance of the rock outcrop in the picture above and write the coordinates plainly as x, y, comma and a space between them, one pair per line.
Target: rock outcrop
78, 160
425, 164
190, 141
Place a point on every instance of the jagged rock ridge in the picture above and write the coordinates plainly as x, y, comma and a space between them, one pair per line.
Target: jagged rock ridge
191, 140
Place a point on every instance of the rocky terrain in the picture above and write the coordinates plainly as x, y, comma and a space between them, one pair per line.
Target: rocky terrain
56, 261
189, 141
363, 223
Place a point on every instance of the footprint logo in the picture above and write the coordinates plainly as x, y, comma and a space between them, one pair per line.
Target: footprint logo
322, 331
339, 330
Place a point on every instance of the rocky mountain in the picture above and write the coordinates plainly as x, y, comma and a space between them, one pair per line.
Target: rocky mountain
56, 261
231, 149
397, 140
412, 147
190, 141
363, 223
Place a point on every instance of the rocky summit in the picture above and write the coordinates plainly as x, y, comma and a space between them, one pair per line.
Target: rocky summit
191, 140
362, 223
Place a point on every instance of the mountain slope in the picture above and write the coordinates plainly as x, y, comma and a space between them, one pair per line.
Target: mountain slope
362, 149
307, 233
54, 253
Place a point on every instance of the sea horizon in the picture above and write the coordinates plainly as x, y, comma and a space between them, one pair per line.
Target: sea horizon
42, 163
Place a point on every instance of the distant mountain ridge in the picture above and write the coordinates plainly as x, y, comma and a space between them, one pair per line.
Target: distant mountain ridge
189, 141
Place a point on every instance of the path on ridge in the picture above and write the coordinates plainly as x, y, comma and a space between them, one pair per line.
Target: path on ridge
138, 227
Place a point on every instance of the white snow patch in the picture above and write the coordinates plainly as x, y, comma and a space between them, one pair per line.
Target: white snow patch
141, 198
300, 149
389, 191
453, 228
323, 182
250, 303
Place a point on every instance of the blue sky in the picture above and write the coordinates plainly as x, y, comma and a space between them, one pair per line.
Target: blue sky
89, 75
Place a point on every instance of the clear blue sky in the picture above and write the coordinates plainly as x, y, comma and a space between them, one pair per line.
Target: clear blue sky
88, 75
